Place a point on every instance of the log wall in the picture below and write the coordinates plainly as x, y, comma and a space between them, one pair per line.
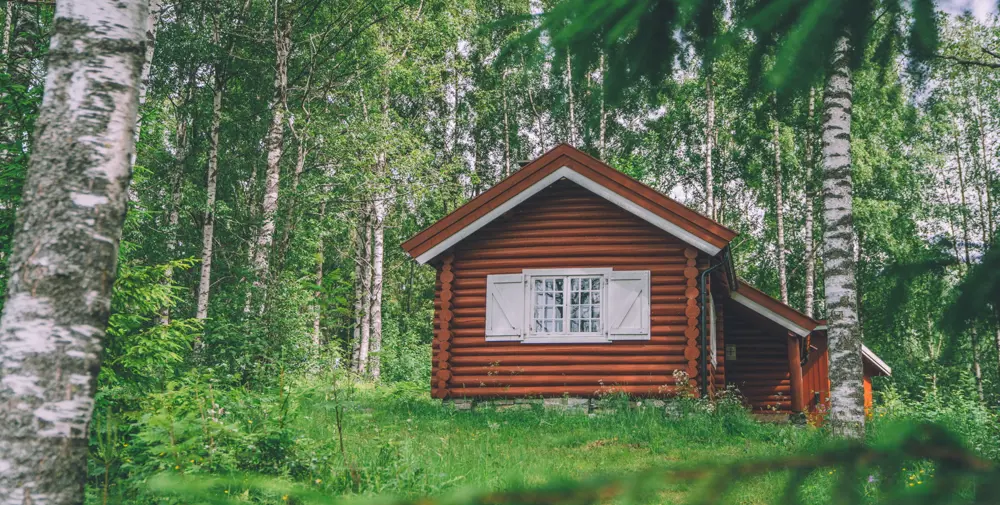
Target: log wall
760, 370
566, 226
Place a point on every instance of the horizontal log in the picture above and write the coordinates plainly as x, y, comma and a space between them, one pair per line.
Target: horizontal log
631, 231
559, 380
500, 241
583, 225
519, 360
620, 260
564, 349
480, 341
664, 255
558, 391
588, 369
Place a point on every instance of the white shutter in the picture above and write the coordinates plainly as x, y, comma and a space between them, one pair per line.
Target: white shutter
628, 305
505, 307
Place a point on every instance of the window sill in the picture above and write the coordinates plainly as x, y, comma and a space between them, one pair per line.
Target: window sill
566, 339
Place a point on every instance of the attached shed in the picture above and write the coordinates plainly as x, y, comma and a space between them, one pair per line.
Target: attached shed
571, 278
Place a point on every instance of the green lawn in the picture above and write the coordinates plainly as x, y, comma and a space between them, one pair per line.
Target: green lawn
405, 444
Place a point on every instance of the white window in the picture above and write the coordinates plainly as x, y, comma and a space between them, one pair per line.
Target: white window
568, 306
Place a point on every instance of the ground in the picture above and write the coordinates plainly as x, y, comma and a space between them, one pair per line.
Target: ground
408, 445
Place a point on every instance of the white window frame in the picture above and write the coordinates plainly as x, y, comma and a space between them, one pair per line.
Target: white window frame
564, 337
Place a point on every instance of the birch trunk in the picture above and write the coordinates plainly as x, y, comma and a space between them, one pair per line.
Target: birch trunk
65, 250
847, 415
275, 145
363, 303
603, 120
208, 228
709, 146
779, 210
810, 251
378, 257
8, 15
572, 106
506, 132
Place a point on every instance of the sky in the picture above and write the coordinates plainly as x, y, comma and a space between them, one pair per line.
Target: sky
980, 8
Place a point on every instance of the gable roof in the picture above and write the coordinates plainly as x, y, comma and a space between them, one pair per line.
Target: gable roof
566, 162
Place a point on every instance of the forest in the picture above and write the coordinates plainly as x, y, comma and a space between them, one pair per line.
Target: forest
268, 338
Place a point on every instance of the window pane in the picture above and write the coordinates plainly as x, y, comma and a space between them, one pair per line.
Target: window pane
559, 284
585, 304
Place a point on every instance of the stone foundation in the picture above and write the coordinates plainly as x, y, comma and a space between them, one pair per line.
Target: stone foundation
567, 404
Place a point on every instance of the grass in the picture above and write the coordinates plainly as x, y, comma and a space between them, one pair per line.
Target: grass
400, 442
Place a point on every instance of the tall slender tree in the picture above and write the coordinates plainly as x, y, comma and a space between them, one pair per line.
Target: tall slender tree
66, 249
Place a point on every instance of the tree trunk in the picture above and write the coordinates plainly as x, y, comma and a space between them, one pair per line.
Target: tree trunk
964, 212
318, 307
208, 228
362, 304
572, 106
779, 210
810, 252
65, 250
275, 145
291, 219
378, 258
379, 208
709, 146
506, 131
8, 15
176, 184
847, 414
602, 145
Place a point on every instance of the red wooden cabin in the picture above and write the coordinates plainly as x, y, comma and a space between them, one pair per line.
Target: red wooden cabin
571, 278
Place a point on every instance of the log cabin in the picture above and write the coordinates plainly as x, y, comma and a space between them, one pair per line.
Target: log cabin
569, 278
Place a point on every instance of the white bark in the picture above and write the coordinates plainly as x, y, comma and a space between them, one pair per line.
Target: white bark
810, 251
709, 146
152, 19
378, 257
506, 131
65, 250
8, 15
208, 228
847, 416
602, 146
363, 290
275, 146
572, 106
779, 211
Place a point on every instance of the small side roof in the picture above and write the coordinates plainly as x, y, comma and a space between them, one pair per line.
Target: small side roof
566, 162
795, 321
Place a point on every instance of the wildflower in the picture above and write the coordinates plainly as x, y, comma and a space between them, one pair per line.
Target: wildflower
250, 421
177, 467
284, 497
319, 481
124, 445
920, 482
911, 484
871, 478
227, 491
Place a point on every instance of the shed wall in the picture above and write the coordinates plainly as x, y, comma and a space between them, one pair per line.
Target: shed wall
760, 370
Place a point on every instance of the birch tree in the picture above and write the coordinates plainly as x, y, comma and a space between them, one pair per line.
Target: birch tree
274, 143
847, 415
66, 249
